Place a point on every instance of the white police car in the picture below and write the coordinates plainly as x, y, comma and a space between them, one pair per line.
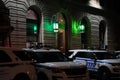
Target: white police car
15, 65
52, 65
98, 61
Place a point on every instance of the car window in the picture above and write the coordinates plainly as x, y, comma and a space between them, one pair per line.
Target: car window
38, 56
117, 55
22, 55
42, 56
57, 56
47, 56
104, 55
85, 55
4, 57
81, 54
69, 53
90, 55
33, 56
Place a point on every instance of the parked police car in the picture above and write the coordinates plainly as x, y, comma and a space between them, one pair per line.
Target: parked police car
99, 61
52, 65
15, 65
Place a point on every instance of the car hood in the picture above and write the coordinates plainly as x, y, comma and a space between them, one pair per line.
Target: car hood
61, 65
111, 60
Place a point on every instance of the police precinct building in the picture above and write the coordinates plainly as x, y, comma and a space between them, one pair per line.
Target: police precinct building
63, 24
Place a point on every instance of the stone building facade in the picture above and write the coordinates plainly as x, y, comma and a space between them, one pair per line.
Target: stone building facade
56, 24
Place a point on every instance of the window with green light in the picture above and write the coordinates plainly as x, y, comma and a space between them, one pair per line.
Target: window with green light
55, 24
77, 27
32, 30
48, 26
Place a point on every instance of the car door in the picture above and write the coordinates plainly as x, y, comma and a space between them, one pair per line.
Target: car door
4, 66
81, 57
91, 61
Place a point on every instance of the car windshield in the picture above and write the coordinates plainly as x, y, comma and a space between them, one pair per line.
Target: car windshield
22, 55
69, 53
47, 56
104, 55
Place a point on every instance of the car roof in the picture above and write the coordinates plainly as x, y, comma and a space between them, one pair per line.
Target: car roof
54, 50
34, 50
79, 50
117, 51
87, 50
41, 50
99, 50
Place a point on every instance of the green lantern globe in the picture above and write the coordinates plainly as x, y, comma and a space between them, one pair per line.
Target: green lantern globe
35, 29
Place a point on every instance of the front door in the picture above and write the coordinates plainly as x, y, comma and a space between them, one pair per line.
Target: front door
61, 40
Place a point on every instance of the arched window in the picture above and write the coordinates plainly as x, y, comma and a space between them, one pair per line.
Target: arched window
32, 26
85, 35
102, 29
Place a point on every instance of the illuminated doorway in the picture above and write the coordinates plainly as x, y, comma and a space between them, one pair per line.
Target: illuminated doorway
61, 34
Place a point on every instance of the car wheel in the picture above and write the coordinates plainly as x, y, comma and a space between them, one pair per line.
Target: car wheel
42, 76
21, 77
104, 74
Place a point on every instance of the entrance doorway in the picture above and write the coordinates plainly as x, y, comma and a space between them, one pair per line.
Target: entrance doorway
61, 34
61, 40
